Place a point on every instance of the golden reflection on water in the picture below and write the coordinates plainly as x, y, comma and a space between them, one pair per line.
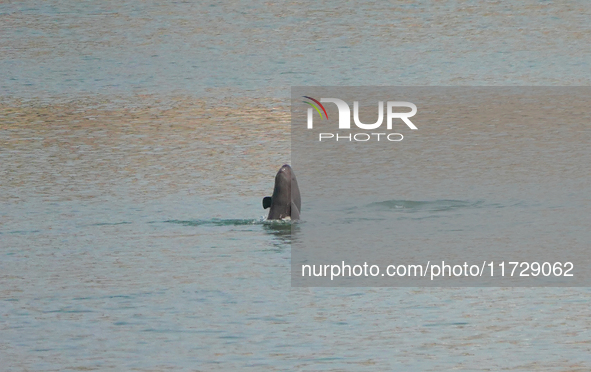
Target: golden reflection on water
81, 150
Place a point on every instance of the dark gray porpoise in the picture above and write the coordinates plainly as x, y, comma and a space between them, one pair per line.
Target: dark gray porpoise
286, 200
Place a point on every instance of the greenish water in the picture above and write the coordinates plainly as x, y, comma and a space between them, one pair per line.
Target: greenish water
68, 48
143, 247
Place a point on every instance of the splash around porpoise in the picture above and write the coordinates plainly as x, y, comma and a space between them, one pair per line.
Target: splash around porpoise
230, 222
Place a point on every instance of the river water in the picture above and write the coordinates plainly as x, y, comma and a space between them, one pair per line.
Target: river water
138, 138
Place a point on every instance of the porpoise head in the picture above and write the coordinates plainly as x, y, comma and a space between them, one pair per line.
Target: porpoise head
286, 201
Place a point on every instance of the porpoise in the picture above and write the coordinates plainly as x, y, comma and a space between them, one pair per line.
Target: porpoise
286, 202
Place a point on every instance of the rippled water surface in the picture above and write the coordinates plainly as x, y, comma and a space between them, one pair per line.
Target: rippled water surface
138, 138
69, 47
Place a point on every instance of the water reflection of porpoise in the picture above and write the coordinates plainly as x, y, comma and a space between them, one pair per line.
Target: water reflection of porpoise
286, 201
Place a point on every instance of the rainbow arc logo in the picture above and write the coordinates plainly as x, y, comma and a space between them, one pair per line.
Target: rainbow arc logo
316, 107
